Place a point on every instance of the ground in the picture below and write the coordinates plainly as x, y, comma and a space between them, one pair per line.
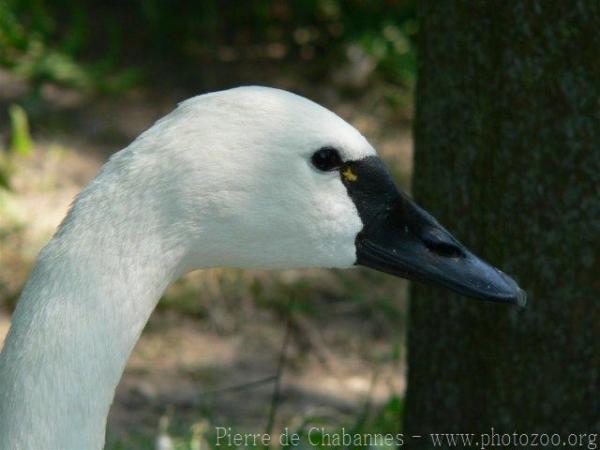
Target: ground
216, 332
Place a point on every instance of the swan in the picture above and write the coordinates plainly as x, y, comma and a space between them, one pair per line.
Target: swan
251, 177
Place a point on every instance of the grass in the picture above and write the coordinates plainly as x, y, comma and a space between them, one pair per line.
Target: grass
381, 426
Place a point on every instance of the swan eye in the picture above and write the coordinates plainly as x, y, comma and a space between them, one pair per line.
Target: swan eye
326, 159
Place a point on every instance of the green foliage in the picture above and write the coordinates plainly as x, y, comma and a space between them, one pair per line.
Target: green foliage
21, 142
394, 50
82, 45
5, 172
46, 41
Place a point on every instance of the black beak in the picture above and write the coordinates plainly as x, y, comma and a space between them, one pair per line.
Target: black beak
402, 239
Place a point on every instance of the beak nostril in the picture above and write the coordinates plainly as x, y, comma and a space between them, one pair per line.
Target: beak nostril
441, 245
445, 250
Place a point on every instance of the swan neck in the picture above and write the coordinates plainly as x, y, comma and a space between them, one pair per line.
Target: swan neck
81, 312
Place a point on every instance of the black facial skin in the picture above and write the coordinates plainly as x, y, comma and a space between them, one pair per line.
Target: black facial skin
400, 238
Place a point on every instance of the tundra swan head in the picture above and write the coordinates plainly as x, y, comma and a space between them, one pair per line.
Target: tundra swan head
256, 177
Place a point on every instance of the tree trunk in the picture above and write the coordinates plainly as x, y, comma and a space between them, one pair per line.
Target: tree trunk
508, 158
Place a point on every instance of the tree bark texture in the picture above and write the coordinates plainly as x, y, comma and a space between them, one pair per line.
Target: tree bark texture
507, 157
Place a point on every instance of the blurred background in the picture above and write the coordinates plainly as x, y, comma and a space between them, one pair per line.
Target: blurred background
80, 80
506, 136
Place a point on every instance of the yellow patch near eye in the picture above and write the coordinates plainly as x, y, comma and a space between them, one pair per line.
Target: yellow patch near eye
349, 175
